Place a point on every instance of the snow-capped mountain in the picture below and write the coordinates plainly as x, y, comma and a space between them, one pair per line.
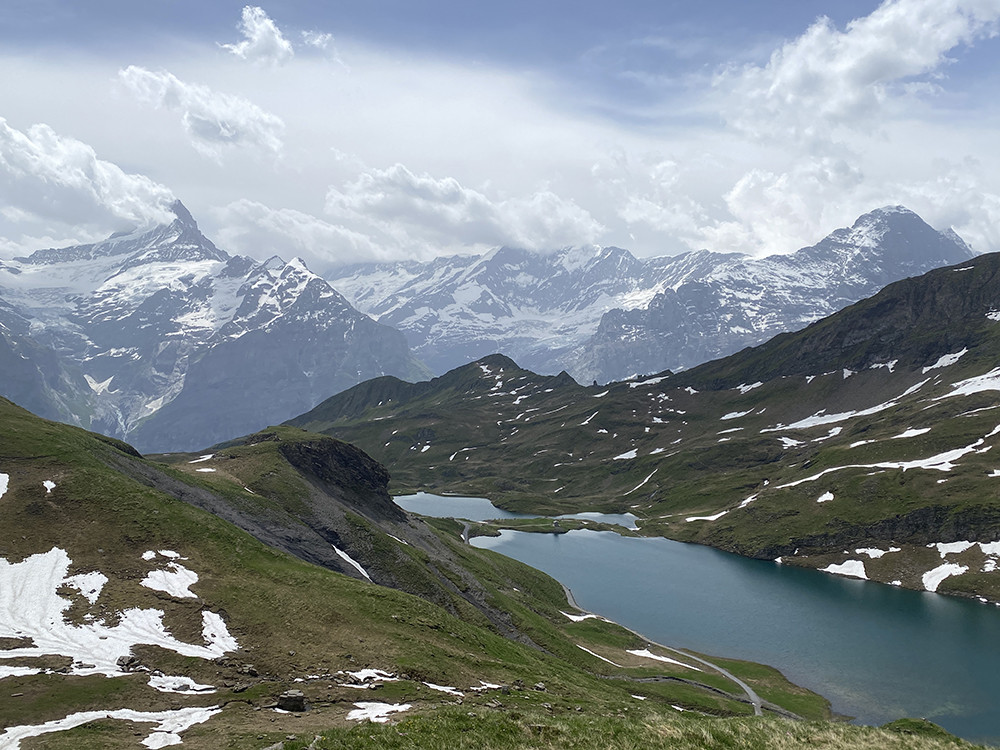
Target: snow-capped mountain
745, 301
601, 314
160, 337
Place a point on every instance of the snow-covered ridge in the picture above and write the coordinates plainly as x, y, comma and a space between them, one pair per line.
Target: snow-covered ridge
561, 310
127, 317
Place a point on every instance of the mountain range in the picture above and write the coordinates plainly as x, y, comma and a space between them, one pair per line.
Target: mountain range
219, 594
602, 314
160, 337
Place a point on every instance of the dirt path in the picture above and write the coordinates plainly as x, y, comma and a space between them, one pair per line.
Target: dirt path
755, 700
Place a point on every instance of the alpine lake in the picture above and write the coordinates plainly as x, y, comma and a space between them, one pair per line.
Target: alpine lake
877, 652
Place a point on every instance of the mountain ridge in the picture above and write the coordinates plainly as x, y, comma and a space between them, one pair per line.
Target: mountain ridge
602, 314
156, 314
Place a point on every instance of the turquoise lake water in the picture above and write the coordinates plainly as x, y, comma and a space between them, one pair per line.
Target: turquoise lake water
876, 652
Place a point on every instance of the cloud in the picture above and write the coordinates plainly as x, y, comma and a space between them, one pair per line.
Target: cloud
255, 229
54, 184
421, 210
263, 41
318, 39
828, 79
215, 123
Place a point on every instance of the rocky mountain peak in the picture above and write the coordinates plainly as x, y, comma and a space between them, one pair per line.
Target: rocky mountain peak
184, 216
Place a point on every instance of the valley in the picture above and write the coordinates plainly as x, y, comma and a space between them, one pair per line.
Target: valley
860, 445
140, 598
492, 376
186, 597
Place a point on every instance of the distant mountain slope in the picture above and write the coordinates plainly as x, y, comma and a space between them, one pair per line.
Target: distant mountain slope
163, 338
604, 315
872, 430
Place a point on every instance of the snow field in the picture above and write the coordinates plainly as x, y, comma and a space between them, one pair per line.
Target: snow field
30, 607
169, 725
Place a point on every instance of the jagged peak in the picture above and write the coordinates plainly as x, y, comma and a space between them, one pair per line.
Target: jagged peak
274, 263
889, 210
184, 216
299, 265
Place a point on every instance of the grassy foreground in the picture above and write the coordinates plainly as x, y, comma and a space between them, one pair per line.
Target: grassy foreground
456, 729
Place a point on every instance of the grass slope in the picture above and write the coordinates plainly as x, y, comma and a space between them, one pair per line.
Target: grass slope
301, 625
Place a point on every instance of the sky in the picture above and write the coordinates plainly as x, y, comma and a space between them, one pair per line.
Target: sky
384, 130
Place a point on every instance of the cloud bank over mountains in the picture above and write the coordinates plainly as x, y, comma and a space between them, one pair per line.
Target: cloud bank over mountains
282, 141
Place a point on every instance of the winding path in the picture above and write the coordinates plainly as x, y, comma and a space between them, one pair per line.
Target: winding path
755, 700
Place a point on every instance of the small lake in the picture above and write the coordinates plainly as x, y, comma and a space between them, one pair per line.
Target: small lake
876, 652
481, 509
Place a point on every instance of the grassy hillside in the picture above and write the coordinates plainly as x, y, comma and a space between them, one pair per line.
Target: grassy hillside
862, 444
485, 651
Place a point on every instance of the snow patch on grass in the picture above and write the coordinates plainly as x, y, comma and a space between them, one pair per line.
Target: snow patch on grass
645, 653
445, 689
822, 418
951, 548
716, 517
30, 607
174, 684
734, 415
351, 561
176, 580
988, 382
644, 481
598, 656
912, 432
169, 725
946, 361
850, 568
933, 578
376, 712
581, 618
875, 553
940, 462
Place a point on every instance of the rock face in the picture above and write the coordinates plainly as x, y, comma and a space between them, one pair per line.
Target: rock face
160, 337
603, 315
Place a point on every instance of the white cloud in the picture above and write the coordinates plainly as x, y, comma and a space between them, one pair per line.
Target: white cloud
318, 39
828, 79
54, 184
255, 229
771, 209
262, 39
419, 211
215, 123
